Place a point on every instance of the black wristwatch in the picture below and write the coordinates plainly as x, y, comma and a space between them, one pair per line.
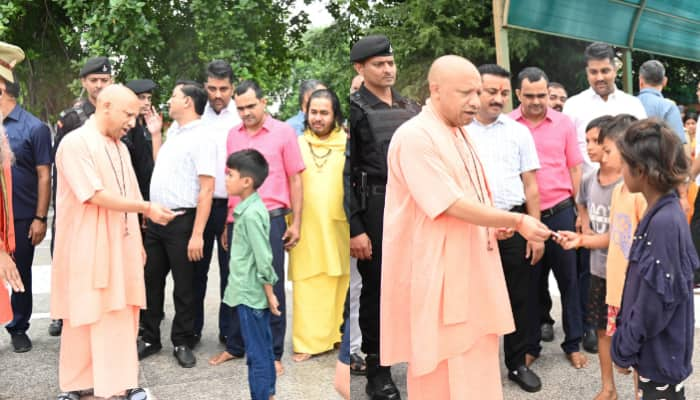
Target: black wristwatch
42, 219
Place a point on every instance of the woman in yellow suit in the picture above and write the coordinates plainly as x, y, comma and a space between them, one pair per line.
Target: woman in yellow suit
319, 265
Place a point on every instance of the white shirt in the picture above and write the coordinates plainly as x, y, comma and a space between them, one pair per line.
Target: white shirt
506, 150
588, 105
218, 126
187, 153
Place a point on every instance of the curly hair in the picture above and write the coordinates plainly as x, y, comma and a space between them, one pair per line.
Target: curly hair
651, 148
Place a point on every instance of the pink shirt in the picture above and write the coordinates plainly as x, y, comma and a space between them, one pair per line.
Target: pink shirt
443, 288
557, 149
277, 142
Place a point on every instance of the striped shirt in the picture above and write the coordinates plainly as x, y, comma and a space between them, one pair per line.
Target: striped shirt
506, 149
187, 153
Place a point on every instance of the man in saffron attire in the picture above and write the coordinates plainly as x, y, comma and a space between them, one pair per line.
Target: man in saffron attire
320, 269
97, 279
441, 312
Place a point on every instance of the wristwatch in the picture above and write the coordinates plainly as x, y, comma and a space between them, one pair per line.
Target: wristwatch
42, 219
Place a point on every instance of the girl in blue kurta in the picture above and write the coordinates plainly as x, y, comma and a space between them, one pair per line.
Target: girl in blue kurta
655, 325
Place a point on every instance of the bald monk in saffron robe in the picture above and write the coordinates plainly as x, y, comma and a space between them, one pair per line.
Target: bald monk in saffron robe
97, 284
443, 295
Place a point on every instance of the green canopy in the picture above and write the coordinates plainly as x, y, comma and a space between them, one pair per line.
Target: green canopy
664, 27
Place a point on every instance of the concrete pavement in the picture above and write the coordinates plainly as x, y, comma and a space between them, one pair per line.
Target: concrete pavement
34, 375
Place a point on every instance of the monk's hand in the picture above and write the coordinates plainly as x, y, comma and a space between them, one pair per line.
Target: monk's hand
224, 238
361, 247
532, 229
154, 122
568, 240
534, 251
9, 273
274, 304
195, 248
504, 233
291, 237
159, 214
143, 255
623, 371
37, 231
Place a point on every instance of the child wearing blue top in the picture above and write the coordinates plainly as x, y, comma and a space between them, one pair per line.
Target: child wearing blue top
655, 329
252, 276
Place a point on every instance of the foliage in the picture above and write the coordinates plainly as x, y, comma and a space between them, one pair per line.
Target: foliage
160, 40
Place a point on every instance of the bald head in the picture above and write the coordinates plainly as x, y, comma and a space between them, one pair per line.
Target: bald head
116, 110
455, 86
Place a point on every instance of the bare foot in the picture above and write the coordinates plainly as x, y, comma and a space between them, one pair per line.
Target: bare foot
529, 359
279, 368
606, 394
222, 358
578, 360
299, 357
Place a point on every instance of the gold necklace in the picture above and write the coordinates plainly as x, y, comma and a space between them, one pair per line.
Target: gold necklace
319, 160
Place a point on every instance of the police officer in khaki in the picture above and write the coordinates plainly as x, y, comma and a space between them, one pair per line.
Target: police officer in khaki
95, 75
376, 110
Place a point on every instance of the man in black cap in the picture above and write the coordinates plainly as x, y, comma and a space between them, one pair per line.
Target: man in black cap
144, 140
376, 110
95, 75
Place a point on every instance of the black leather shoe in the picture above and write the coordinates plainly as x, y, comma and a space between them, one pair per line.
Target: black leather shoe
21, 343
380, 386
55, 327
184, 356
146, 349
547, 332
590, 341
222, 339
526, 379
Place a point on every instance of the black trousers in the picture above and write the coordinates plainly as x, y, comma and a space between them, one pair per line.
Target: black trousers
166, 251
520, 281
24, 257
212, 233
371, 273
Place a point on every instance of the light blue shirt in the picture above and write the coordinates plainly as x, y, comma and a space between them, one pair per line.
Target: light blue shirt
506, 150
657, 106
297, 122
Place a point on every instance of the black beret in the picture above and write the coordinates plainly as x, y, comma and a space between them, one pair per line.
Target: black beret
371, 46
139, 86
97, 65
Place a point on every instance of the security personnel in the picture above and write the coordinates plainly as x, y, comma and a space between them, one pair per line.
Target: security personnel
95, 75
142, 139
376, 110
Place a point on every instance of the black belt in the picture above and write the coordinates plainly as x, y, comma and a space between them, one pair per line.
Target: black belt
518, 209
279, 212
185, 211
219, 202
377, 190
568, 202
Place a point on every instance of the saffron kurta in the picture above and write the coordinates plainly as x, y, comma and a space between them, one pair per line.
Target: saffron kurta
443, 298
319, 264
97, 283
7, 231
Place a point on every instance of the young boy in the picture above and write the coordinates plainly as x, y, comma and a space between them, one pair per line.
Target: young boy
251, 276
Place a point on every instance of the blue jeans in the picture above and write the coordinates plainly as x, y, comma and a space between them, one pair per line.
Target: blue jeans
255, 328
234, 340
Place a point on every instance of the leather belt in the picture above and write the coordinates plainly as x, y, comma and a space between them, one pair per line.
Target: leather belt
518, 209
219, 202
566, 203
279, 212
185, 211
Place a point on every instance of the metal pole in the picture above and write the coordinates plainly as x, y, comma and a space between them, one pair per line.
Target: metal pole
501, 39
627, 83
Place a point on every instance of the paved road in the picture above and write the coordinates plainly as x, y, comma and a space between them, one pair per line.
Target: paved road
34, 376
559, 380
